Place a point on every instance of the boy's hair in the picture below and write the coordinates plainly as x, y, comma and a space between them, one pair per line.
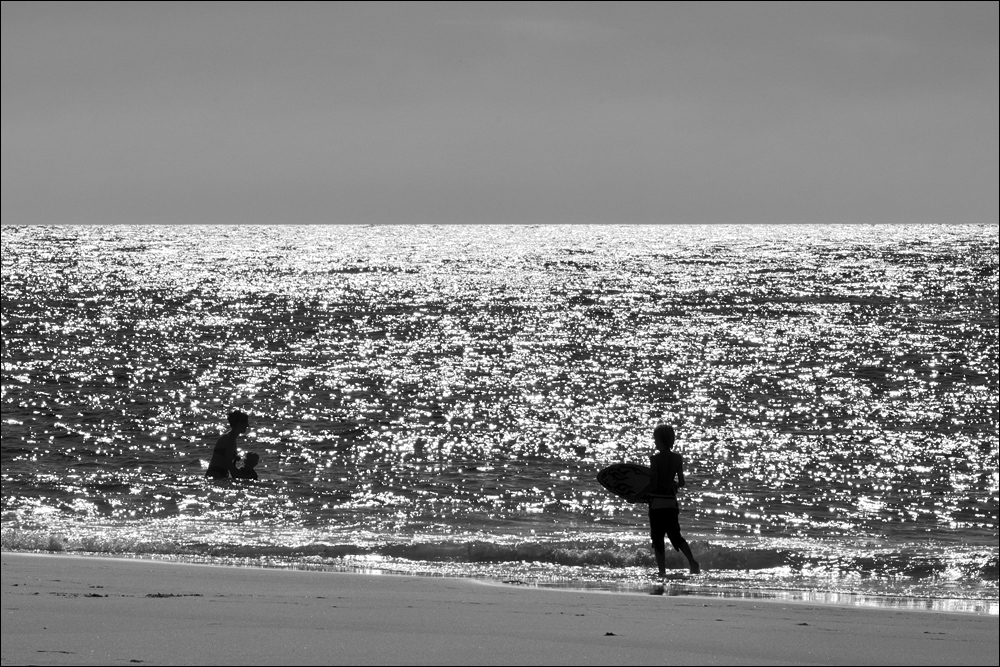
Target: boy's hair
237, 417
664, 433
251, 460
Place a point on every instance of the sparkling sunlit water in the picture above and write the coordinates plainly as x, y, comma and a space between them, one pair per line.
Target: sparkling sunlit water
438, 399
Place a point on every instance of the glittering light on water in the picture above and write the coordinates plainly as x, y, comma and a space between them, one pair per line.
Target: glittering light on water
827, 383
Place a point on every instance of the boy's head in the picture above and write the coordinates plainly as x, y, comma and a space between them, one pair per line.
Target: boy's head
239, 420
663, 436
251, 460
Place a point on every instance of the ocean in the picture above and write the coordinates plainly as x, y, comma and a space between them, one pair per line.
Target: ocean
437, 400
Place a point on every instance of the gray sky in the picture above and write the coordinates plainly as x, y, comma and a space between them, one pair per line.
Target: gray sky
499, 112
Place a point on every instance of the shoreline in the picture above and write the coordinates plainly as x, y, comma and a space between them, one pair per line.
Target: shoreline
677, 586
941, 605
73, 609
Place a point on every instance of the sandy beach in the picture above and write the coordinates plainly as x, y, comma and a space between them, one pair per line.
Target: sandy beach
84, 610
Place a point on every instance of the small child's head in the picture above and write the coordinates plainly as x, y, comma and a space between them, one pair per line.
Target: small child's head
251, 460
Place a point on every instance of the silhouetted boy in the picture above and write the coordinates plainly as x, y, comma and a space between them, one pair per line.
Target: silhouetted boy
224, 457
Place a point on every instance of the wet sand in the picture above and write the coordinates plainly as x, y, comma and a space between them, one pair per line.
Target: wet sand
61, 609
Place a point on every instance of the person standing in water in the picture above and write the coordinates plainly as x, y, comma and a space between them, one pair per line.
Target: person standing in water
664, 512
224, 457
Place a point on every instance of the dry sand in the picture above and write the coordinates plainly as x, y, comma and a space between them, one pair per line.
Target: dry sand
82, 610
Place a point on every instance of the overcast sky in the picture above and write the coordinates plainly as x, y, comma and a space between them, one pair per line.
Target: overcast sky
499, 112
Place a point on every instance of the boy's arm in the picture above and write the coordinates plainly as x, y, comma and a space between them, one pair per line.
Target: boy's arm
231, 457
635, 497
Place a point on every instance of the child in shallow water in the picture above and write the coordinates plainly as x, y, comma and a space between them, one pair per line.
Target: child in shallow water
668, 475
247, 471
224, 456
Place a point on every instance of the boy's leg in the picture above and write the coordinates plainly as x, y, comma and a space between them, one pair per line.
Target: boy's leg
679, 543
657, 531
